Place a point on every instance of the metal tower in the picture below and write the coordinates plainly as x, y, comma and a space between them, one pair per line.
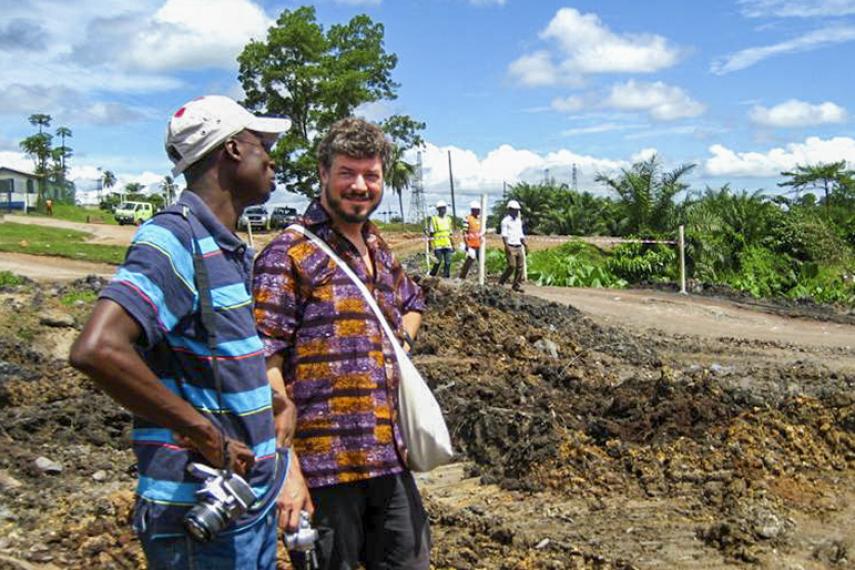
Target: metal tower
574, 181
418, 210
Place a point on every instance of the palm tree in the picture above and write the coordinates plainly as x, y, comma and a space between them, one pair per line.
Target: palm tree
647, 193
826, 176
399, 175
40, 120
108, 179
167, 185
65, 152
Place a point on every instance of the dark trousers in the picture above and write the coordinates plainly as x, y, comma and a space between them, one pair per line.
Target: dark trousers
379, 522
467, 263
514, 256
443, 256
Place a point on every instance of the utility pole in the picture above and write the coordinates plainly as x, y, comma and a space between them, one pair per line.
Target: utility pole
451, 183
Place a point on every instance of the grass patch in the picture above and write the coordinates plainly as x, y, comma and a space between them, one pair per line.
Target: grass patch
38, 240
73, 213
8, 279
70, 298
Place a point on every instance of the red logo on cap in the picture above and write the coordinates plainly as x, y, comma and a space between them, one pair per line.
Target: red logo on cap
179, 112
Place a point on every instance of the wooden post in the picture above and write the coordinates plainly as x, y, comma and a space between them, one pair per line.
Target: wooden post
482, 250
683, 261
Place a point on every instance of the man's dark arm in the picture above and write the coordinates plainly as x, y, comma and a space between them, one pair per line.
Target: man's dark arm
105, 352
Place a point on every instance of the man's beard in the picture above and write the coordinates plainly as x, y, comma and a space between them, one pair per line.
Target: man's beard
350, 217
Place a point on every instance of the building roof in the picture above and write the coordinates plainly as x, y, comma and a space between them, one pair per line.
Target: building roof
16, 171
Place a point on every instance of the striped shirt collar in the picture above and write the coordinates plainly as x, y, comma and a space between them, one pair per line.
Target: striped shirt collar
225, 238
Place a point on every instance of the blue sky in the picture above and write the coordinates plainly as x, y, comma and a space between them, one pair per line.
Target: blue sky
742, 88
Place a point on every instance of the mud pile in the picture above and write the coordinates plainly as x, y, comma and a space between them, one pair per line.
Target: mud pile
542, 399
579, 444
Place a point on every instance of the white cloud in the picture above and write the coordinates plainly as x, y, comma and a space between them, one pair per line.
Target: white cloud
568, 104
795, 113
586, 46
16, 161
374, 111
663, 102
796, 8
807, 42
601, 128
535, 69
474, 175
181, 34
644, 154
726, 162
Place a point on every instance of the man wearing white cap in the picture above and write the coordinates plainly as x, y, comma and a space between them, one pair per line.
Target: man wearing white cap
514, 240
440, 229
172, 338
471, 236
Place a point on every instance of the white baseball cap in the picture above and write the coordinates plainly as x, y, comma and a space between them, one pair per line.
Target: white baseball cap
474, 205
203, 123
441, 204
513, 205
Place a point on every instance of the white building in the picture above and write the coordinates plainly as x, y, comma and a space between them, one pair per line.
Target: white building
18, 189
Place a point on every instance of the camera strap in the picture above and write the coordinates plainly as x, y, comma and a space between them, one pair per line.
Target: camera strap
209, 323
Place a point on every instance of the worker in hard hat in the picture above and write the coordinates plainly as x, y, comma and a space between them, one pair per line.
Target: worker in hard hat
515, 246
471, 236
439, 229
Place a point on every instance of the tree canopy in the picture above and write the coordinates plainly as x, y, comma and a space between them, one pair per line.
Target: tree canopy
315, 77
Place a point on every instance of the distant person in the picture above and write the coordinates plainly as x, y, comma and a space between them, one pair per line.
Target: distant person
515, 246
472, 237
49, 207
439, 229
146, 346
327, 353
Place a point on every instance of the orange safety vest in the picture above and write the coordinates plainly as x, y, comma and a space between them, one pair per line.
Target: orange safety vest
473, 231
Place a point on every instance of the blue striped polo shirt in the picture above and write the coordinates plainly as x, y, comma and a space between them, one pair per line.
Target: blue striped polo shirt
156, 286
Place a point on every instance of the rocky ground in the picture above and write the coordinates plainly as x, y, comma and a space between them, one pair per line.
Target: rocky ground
580, 446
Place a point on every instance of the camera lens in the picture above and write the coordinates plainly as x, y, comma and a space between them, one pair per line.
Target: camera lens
203, 522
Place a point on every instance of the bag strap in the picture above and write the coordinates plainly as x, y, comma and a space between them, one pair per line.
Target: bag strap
369, 298
209, 323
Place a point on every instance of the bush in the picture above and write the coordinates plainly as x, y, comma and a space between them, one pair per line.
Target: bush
637, 262
573, 264
9, 279
763, 273
805, 236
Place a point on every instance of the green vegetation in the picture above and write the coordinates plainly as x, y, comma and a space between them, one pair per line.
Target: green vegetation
315, 77
72, 213
38, 240
87, 297
793, 245
9, 279
50, 163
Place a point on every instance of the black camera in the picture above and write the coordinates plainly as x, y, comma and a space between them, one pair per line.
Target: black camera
223, 498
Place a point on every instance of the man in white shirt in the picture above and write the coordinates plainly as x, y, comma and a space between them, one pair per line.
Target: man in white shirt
514, 240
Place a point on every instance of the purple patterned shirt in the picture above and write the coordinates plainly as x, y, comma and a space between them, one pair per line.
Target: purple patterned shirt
339, 367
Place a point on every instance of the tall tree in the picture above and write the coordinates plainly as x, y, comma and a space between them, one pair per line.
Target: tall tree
825, 176
399, 174
40, 120
647, 194
65, 152
315, 77
108, 179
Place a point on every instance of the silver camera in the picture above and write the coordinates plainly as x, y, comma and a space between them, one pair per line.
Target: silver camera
302, 541
223, 498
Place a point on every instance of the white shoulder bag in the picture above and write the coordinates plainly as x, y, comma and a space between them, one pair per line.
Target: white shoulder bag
424, 429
